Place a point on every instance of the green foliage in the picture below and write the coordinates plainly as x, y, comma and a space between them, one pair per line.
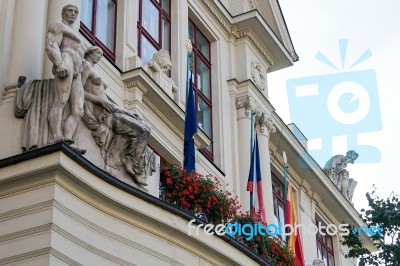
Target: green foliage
386, 214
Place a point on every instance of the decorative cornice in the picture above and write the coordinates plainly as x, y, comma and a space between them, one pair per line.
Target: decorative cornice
265, 122
232, 31
218, 16
251, 36
246, 102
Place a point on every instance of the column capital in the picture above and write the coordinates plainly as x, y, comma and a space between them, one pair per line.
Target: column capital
265, 123
247, 102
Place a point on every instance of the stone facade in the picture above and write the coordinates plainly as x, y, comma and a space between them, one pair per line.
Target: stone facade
57, 209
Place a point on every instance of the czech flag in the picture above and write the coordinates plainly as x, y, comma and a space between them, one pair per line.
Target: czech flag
254, 185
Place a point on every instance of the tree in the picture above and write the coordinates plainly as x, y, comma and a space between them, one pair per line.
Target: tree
384, 213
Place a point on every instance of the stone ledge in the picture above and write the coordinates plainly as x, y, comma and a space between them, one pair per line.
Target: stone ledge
68, 167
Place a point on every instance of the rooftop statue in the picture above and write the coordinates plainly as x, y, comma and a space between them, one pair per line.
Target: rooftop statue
120, 133
335, 170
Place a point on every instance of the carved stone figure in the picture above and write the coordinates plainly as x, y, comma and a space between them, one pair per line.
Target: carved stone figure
335, 169
258, 74
339, 162
344, 183
318, 262
121, 134
43, 103
350, 190
65, 50
150, 162
161, 61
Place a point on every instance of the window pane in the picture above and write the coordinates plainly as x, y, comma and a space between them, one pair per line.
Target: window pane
204, 117
86, 13
150, 19
203, 78
277, 187
147, 50
281, 213
319, 255
202, 45
105, 18
323, 251
166, 35
275, 206
329, 242
191, 31
330, 260
165, 5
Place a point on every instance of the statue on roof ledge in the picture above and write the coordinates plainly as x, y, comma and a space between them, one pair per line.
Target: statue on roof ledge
335, 170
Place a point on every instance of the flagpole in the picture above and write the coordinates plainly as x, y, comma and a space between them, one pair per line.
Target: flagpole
251, 151
284, 177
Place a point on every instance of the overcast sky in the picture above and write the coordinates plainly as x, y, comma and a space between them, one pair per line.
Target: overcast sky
371, 27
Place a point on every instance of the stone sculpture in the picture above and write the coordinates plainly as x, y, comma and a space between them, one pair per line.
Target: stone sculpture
335, 170
150, 162
161, 61
318, 262
43, 103
121, 134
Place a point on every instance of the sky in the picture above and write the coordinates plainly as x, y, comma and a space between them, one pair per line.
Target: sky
350, 51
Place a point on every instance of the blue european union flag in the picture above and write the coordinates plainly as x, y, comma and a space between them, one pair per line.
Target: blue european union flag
189, 160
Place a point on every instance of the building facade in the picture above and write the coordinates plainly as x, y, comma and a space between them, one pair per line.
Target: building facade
58, 208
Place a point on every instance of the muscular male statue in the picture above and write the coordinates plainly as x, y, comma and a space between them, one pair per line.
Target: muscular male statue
65, 50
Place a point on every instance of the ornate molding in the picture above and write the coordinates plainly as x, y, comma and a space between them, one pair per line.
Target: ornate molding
251, 36
232, 31
258, 74
265, 122
246, 102
218, 16
252, 4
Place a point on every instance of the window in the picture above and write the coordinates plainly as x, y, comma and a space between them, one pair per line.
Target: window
325, 248
98, 23
279, 206
154, 27
201, 76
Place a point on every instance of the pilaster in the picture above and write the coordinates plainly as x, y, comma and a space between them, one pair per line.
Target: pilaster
265, 127
134, 97
245, 105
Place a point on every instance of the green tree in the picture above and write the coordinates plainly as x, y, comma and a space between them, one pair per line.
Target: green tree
384, 213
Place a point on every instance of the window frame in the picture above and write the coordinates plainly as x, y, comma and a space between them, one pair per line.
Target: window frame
277, 197
197, 54
322, 240
141, 31
90, 34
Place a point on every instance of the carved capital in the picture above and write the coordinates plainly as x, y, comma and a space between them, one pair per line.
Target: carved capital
246, 102
265, 122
